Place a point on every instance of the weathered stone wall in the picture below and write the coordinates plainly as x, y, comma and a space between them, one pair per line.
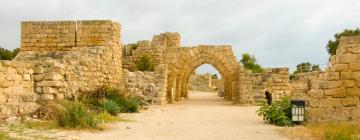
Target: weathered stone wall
155, 49
151, 86
17, 95
91, 59
200, 82
273, 80
65, 35
335, 96
182, 61
60, 60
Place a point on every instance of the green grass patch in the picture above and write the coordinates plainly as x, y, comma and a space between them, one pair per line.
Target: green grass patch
41, 125
3, 136
107, 118
335, 130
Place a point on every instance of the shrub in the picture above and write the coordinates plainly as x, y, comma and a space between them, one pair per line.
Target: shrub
109, 106
74, 115
145, 64
278, 113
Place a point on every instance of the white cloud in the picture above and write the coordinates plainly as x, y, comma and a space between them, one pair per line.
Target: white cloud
277, 32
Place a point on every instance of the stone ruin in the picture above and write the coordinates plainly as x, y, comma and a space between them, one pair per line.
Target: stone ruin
61, 59
201, 82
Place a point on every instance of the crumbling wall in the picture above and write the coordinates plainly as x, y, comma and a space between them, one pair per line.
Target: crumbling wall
273, 80
149, 85
17, 96
60, 59
200, 82
89, 52
155, 49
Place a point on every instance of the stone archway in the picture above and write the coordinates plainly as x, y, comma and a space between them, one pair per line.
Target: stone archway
183, 61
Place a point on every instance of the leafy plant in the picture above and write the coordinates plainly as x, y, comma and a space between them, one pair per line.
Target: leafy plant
145, 63
278, 113
74, 115
109, 106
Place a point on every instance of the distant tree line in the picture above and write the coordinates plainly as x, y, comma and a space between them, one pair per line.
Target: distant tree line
6, 54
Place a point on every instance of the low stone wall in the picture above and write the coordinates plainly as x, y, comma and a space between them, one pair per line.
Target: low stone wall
17, 95
201, 82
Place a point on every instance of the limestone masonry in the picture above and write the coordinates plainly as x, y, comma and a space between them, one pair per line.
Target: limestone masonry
61, 59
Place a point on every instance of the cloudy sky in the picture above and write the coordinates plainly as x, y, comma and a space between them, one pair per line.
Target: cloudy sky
280, 33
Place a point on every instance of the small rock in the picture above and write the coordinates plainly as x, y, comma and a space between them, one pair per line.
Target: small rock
128, 127
11, 120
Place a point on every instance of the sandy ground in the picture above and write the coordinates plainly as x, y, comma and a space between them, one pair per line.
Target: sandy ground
203, 116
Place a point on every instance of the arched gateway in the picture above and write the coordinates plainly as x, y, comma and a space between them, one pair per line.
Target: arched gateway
180, 62
183, 61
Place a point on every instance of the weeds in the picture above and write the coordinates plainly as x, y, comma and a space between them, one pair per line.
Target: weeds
335, 130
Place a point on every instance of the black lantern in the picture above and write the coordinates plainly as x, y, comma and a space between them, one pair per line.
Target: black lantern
297, 110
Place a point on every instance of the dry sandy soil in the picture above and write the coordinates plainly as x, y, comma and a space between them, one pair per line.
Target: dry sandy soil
203, 116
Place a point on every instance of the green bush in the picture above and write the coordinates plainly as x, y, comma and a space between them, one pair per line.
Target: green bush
74, 115
278, 113
111, 100
109, 106
145, 64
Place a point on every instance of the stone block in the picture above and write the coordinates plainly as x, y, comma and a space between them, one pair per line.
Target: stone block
53, 76
346, 58
329, 84
350, 101
50, 84
349, 83
346, 76
335, 92
341, 67
354, 66
332, 76
49, 90
330, 103
2, 99
353, 91
47, 97
26, 77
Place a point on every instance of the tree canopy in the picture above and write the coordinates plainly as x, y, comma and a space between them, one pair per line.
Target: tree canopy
7, 54
306, 67
145, 63
332, 45
249, 62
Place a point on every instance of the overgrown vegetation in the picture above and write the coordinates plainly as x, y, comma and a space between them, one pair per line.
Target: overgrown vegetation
335, 130
249, 62
7, 54
145, 63
332, 45
304, 68
93, 108
278, 113
132, 47
214, 76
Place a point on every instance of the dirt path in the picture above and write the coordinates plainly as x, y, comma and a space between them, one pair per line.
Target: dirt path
202, 116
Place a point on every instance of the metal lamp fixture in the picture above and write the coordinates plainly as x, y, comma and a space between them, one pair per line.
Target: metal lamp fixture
297, 110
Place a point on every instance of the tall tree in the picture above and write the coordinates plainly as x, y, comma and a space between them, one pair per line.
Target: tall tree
332, 45
249, 62
306, 67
